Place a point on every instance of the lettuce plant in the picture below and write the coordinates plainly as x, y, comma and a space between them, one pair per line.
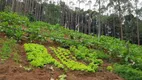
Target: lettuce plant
63, 54
38, 55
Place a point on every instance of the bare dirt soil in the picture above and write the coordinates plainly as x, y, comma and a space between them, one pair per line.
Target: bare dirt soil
13, 71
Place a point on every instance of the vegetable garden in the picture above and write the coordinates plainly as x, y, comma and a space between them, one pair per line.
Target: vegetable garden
75, 51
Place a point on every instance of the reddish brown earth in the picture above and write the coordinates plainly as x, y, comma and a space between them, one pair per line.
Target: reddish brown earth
13, 71
10, 70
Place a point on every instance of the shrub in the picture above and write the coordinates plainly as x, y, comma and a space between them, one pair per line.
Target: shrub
6, 49
128, 72
13, 18
109, 68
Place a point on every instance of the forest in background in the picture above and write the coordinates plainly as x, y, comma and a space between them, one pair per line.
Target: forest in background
122, 22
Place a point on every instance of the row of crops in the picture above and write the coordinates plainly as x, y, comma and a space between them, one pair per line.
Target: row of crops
38, 57
19, 28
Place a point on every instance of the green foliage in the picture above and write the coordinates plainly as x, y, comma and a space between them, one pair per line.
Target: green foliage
38, 55
80, 52
19, 27
67, 59
16, 34
101, 55
12, 24
13, 19
128, 72
16, 57
109, 68
31, 17
6, 48
26, 68
62, 77
83, 53
7, 9
108, 47
36, 30
54, 13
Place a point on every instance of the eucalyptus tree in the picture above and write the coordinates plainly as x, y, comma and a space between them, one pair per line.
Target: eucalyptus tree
78, 17
80, 1
89, 16
62, 5
128, 22
120, 7
2, 5
71, 13
52, 13
13, 5
139, 30
112, 23
39, 9
90, 3
100, 4
136, 12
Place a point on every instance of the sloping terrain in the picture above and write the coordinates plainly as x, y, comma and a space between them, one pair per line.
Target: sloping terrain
11, 70
41, 51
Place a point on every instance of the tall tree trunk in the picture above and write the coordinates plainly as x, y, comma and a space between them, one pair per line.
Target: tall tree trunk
78, 28
2, 5
89, 25
99, 27
76, 19
17, 6
138, 34
13, 5
113, 26
120, 21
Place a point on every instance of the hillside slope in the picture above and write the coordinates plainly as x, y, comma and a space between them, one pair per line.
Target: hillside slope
40, 50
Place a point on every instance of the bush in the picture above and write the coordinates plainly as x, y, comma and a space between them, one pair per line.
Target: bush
7, 48
13, 18
128, 72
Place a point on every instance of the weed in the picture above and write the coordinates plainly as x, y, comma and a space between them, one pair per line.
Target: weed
109, 68
27, 68
62, 77
16, 57
6, 49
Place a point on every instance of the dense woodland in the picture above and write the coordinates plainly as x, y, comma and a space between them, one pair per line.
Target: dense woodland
117, 18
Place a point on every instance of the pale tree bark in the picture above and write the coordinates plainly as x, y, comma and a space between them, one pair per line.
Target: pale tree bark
137, 22
90, 19
89, 25
13, 5
99, 26
138, 33
120, 21
113, 26
78, 20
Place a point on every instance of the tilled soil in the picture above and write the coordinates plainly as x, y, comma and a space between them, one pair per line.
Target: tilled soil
13, 71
